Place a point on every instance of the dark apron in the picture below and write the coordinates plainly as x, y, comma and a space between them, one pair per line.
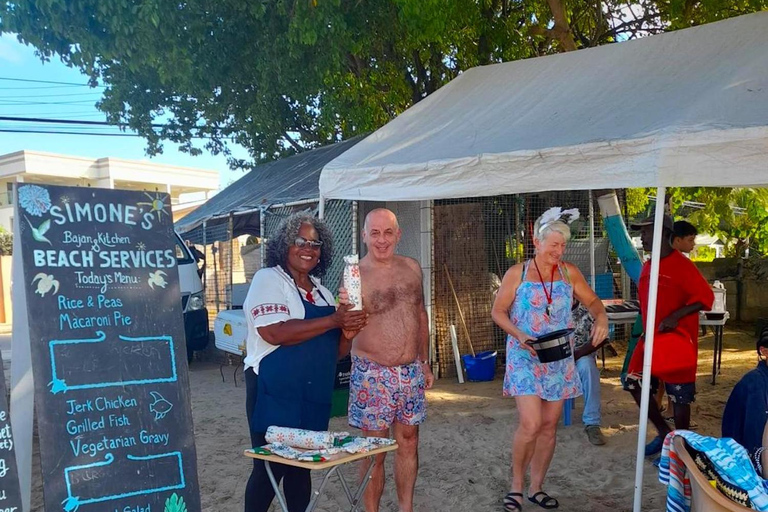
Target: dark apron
296, 382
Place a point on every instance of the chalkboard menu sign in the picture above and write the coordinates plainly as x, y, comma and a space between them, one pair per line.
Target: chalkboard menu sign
10, 498
108, 350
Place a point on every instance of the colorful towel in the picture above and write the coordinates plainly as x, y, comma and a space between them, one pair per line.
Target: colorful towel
728, 457
672, 473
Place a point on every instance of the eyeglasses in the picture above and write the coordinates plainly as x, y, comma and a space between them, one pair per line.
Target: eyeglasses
301, 242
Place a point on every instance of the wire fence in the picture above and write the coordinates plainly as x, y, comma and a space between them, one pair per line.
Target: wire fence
232, 261
476, 240
218, 269
473, 243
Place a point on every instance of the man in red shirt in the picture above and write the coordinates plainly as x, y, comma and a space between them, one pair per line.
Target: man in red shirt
683, 292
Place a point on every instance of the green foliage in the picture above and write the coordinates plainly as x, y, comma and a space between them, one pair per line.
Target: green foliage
637, 200
738, 216
6, 243
175, 503
704, 254
281, 76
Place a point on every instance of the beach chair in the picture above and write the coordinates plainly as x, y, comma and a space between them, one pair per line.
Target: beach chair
704, 497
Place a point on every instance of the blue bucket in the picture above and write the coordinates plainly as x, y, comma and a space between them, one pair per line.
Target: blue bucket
480, 367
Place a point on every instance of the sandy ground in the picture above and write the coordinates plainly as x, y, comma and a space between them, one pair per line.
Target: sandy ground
465, 444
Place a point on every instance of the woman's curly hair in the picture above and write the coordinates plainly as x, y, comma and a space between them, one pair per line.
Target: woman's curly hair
284, 237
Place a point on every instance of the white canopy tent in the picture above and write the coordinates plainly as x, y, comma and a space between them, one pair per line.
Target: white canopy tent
686, 108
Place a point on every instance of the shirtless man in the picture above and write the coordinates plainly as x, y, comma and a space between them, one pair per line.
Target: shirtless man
390, 370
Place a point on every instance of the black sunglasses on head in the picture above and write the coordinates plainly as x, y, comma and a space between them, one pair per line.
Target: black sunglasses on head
301, 242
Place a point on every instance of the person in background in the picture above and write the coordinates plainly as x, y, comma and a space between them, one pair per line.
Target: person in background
684, 236
295, 337
684, 240
535, 299
745, 417
586, 365
682, 293
198, 255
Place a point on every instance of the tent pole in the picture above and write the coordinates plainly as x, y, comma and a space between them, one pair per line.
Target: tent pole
205, 252
231, 229
650, 323
592, 278
321, 207
355, 235
263, 236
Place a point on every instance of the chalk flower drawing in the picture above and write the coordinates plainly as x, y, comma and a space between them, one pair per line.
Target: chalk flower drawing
156, 278
175, 503
35, 200
45, 283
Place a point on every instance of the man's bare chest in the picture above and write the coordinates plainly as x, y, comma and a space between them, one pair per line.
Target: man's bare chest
387, 295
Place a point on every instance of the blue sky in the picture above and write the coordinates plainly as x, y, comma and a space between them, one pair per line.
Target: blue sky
26, 99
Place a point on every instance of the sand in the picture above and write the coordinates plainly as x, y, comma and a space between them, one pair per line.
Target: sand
465, 444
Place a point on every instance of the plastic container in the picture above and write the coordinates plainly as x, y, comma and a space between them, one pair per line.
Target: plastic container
339, 403
554, 346
719, 304
481, 367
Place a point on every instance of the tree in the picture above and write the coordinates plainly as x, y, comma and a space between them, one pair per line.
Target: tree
737, 216
6, 243
280, 76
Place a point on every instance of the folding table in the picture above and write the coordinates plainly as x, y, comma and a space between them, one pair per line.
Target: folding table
332, 465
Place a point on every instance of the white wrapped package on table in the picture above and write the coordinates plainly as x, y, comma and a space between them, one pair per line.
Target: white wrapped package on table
300, 438
351, 281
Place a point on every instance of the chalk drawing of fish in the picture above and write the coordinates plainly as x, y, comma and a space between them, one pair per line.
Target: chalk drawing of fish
160, 406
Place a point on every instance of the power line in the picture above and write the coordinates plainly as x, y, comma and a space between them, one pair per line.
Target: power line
29, 88
54, 132
52, 95
64, 121
76, 121
27, 80
70, 115
23, 103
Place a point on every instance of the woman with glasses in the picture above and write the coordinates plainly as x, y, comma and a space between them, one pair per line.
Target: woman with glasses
295, 337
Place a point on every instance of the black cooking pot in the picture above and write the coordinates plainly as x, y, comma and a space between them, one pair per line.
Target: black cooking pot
553, 346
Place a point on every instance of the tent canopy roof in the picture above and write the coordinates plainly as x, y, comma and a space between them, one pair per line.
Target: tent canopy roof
683, 108
283, 181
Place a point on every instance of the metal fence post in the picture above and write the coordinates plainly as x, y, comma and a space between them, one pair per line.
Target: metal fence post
230, 229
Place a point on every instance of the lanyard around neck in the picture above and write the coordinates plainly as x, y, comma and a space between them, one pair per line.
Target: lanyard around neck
544, 286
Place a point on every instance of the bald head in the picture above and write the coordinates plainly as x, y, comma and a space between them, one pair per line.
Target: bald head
381, 234
381, 217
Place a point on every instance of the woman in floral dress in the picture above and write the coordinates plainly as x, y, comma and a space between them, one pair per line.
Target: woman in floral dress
535, 299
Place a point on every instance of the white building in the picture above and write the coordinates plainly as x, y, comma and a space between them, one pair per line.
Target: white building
182, 183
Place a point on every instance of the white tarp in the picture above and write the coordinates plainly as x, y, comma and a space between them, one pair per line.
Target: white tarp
686, 108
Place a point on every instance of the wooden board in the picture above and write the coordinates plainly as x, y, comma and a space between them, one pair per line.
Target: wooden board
108, 350
10, 495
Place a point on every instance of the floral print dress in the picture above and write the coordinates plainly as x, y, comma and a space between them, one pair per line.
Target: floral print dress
525, 375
